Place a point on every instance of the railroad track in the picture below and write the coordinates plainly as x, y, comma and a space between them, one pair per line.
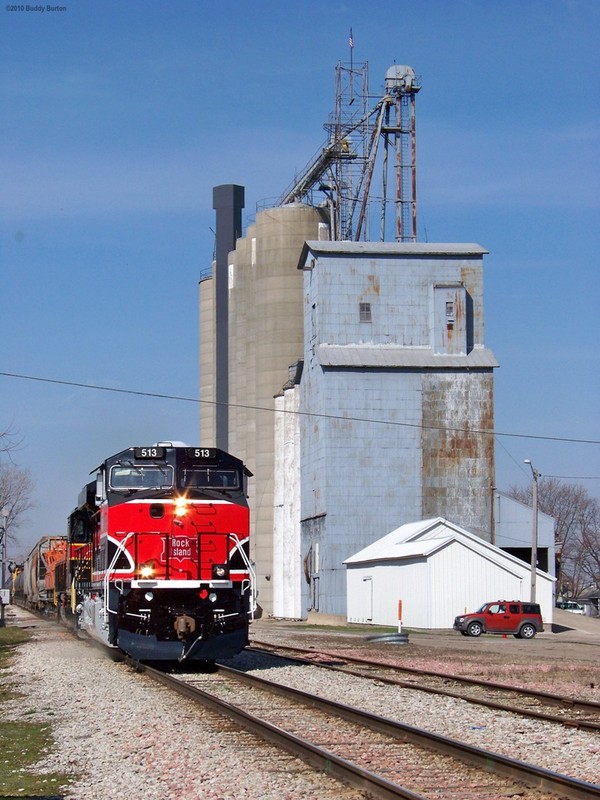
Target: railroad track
381, 757
567, 711
384, 759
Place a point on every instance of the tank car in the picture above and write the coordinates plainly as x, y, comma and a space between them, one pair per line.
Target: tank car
159, 554
39, 583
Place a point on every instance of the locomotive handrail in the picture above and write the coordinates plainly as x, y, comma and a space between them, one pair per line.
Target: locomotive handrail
120, 549
73, 588
251, 572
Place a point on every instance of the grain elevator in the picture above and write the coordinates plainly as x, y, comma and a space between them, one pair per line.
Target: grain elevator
358, 387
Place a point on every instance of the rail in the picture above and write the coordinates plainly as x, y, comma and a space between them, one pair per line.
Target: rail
378, 669
504, 768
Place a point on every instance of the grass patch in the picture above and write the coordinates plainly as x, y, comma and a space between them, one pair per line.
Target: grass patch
10, 637
23, 744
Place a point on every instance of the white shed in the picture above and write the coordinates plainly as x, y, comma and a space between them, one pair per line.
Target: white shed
438, 570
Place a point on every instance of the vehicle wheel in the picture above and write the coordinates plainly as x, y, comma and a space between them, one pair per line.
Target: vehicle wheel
527, 631
475, 629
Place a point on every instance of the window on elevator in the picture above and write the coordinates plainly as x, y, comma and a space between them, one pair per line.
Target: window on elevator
364, 311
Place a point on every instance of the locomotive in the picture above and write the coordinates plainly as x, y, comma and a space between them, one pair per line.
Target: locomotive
157, 555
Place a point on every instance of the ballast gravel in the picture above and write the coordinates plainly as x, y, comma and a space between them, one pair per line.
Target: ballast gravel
124, 736
545, 744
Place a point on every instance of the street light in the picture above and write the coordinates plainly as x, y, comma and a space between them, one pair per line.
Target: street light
534, 527
5, 514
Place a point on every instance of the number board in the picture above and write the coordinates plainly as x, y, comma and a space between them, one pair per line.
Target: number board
201, 453
149, 452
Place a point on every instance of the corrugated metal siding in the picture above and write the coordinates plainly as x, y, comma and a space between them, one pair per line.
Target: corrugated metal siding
436, 589
458, 456
286, 574
369, 478
464, 579
512, 517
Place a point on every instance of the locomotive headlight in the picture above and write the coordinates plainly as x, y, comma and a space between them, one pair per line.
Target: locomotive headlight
212, 597
180, 507
149, 596
146, 571
219, 571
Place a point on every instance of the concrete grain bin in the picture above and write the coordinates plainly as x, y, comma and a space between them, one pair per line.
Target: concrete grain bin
266, 333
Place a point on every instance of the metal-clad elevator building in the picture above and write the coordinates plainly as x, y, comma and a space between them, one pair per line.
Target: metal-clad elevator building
396, 401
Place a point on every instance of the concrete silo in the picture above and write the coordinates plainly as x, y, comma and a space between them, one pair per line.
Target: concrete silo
265, 336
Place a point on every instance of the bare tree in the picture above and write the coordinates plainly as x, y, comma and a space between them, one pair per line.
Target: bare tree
16, 487
576, 533
582, 558
10, 440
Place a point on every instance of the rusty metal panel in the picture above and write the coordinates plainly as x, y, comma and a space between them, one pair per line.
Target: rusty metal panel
457, 446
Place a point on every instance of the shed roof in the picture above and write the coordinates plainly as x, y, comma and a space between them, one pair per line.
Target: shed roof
425, 537
406, 540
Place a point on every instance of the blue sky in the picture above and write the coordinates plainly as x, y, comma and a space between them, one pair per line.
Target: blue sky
118, 118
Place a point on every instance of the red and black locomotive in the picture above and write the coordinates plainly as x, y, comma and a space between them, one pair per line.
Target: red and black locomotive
158, 561
160, 553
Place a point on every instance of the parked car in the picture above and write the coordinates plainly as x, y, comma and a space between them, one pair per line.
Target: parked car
522, 620
572, 606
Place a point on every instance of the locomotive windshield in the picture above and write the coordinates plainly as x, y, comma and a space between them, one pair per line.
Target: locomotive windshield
144, 476
210, 478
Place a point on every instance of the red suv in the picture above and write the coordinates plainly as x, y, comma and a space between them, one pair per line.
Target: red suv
523, 620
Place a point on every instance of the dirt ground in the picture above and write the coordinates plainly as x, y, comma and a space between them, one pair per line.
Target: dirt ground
564, 658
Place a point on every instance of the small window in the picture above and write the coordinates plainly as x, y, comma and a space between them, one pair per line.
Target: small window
141, 476
365, 312
211, 478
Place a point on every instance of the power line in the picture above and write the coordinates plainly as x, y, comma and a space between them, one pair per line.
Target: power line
573, 477
198, 401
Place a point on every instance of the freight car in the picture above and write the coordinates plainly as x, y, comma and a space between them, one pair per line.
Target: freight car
157, 555
39, 584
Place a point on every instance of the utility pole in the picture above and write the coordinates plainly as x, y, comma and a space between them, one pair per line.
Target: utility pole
5, 513
534, 527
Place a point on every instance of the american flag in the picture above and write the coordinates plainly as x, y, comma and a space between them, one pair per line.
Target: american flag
351, 40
